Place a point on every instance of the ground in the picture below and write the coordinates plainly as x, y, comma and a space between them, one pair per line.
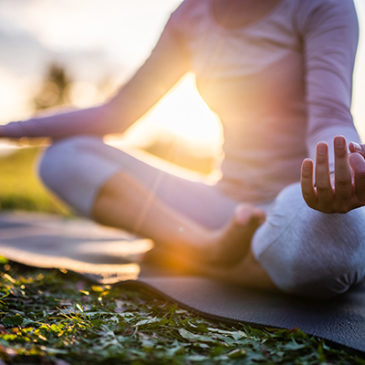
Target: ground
56, 317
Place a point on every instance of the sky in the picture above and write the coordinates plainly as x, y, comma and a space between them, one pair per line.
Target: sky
102, 42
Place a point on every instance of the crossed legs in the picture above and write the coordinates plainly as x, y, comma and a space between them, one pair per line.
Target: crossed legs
124, 202
186, 217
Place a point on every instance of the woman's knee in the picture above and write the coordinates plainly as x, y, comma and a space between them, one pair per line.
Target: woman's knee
59, 162
307, 252
74, 170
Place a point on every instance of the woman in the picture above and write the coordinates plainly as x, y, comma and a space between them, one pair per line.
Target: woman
278, 73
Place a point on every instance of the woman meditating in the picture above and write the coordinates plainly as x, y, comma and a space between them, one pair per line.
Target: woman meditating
279, 75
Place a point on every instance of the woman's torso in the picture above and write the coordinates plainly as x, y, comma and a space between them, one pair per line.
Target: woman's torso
253, 78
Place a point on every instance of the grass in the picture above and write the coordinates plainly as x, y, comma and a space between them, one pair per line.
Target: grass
56, 317
49, 316
19, 186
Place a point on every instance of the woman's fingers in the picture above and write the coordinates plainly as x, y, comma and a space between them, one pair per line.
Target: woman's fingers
346, 196
343, 179
323, 183
306, 180
357, 163
355, 147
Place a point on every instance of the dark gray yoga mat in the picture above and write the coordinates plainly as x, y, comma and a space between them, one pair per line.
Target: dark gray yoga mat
112, 256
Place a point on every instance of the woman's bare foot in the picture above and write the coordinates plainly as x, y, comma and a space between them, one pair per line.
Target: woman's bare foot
231, 244
224, 254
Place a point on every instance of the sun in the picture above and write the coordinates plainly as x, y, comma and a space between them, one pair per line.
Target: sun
182, 113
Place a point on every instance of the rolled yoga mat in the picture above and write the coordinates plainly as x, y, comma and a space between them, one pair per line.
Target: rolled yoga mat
108, 255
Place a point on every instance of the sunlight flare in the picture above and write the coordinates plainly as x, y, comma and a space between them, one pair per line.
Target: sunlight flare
184, 114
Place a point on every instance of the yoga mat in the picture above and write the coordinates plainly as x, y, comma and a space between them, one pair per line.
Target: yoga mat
112, 256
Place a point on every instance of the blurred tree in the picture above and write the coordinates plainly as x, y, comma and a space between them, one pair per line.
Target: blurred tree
55, 90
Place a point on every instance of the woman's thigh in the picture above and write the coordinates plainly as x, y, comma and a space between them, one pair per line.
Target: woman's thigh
76, 169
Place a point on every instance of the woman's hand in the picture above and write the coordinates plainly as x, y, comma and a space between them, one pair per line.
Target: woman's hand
339, 192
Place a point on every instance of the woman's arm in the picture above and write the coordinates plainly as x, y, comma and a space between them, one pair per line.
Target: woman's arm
329, 29
164, 67
330, 35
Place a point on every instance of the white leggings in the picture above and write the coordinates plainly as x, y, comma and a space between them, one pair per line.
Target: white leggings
304, 251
